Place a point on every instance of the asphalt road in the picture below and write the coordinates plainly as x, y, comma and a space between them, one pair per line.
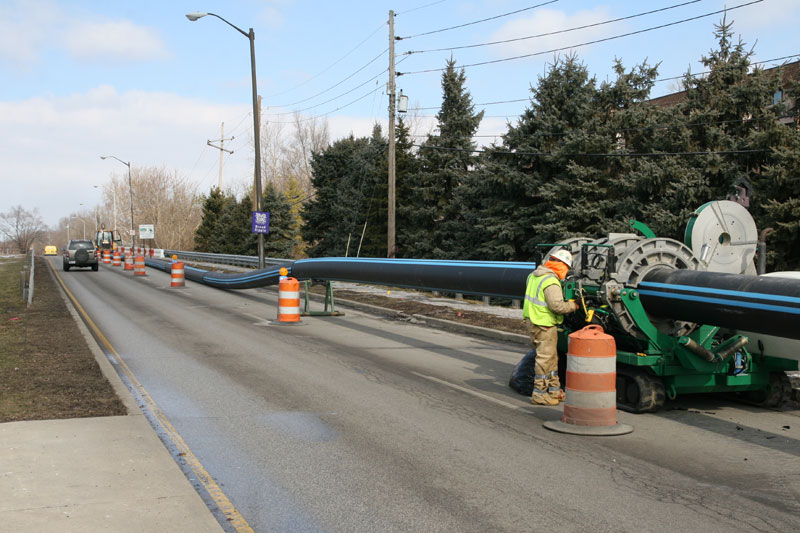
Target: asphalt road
360, 423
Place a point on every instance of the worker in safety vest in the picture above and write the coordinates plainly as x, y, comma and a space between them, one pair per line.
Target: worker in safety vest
545, 308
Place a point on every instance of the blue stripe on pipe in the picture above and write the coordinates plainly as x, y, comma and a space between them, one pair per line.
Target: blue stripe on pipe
726, 292
734, 303
232, 281
423, 262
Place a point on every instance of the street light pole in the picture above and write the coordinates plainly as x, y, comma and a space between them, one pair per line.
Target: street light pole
84, 225
130, 191
256, 122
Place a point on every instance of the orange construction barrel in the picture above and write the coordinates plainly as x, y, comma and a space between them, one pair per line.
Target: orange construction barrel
590, 407
117, 262
288, 300
138, 266
128, 261
178, 279
106, 257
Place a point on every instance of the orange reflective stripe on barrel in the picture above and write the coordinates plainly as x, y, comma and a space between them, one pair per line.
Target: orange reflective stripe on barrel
591, 398
138, 266
289, 300
178, 279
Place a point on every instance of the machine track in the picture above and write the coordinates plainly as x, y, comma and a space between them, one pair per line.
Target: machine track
776, 394
639, 391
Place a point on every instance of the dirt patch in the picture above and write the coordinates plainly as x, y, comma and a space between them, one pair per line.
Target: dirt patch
46, 368
473, 318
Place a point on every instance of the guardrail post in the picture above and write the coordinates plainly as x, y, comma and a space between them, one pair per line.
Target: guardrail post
30, 283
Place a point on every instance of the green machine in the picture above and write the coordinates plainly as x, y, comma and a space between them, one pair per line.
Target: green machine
659, 297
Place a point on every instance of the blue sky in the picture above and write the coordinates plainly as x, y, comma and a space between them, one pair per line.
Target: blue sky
139, 81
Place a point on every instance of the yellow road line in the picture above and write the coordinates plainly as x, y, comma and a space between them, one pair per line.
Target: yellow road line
232, 515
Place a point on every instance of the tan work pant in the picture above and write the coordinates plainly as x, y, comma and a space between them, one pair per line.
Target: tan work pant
545, 340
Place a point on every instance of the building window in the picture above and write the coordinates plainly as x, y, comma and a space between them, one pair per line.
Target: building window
777, 97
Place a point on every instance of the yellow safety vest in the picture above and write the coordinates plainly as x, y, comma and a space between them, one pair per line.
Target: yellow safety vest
535, 307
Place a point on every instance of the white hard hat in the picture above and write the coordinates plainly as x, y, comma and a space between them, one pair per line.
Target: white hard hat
563, 255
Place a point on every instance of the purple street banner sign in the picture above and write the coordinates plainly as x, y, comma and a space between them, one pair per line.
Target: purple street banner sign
260, 222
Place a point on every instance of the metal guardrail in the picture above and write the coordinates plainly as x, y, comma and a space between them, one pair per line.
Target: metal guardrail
250, 261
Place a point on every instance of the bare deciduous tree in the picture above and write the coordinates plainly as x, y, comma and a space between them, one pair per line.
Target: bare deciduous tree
160, 197
21, 226
286, 157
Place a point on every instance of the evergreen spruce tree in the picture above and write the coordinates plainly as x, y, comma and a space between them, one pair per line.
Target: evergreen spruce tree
406, 165
372, 220
280, 242
778, 190
330, 218
530, 196
444, 162
213, 205
232, 233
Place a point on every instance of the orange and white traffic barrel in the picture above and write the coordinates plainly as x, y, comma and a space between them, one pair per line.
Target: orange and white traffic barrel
138, 266
590, 407
129, 261
288, 300
106, 257
178, 279
117, 262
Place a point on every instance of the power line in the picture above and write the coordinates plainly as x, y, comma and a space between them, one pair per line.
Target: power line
644, 128
478, 21
612, 154
329, 100
529, 98
305, 119
709, 72
483, 103
338, 108
585, 26
368, 37
334, 85
421, 7
586, 43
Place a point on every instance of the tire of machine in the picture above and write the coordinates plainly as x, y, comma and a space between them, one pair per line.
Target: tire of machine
778, 392
638, 391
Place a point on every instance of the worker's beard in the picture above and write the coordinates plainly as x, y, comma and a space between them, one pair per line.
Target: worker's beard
558, 267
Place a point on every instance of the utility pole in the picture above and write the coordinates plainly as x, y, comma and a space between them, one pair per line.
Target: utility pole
390, 246
257, 198
221, 149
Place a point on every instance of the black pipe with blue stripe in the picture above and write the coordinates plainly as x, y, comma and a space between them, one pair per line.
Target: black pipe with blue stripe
768, 305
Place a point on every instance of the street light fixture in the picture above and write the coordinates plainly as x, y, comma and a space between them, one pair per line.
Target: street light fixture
130, 191
256, 119
84, 225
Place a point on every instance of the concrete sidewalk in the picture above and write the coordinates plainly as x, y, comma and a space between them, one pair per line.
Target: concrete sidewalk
95, 474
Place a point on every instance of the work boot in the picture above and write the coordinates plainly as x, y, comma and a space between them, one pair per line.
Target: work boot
557, 394
542, 398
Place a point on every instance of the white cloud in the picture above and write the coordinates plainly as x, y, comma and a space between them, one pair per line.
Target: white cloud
271, 17
52, 160
548, 21
23, 29
782, 14
28, 28
113, 41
